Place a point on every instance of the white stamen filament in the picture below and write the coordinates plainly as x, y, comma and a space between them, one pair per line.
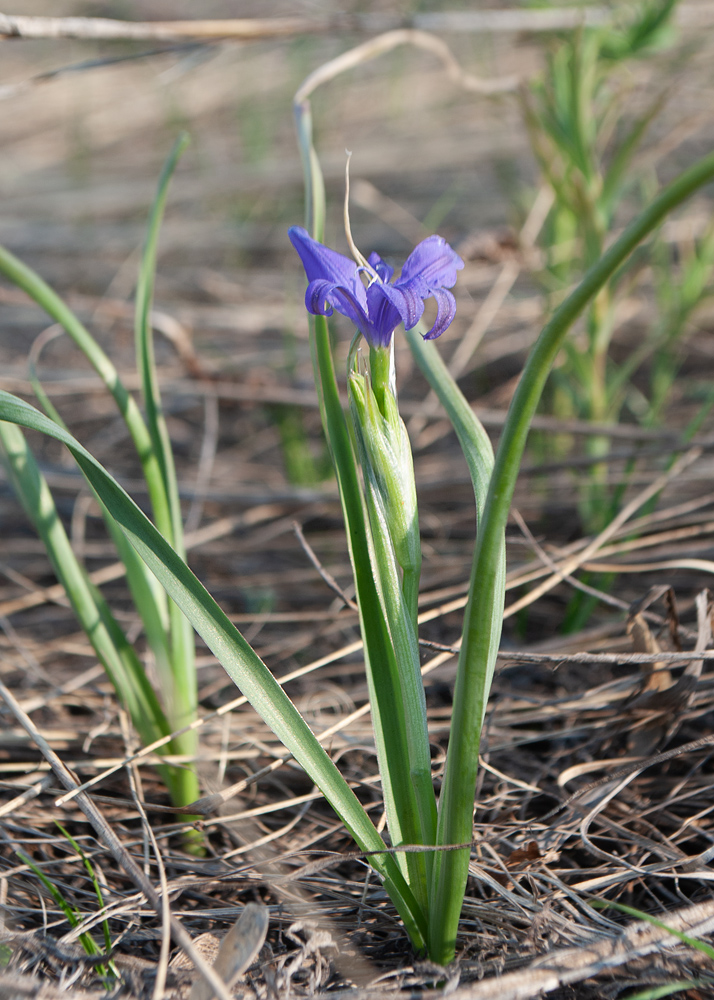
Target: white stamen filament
360, 260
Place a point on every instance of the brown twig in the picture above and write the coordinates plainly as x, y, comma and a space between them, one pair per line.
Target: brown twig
326, 576
696, 15
106, 29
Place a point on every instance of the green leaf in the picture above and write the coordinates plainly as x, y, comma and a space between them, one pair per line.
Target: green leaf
486, 591
73, 917
239, 660
106, 636
40, 292
181, 689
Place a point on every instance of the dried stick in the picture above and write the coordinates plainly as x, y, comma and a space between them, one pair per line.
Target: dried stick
327, 577
102, 28
690, 15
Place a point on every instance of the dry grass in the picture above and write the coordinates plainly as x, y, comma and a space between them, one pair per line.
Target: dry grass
597, 772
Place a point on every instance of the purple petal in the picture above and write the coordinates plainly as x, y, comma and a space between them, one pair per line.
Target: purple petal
406, 300
322, 296
386, 311
445, 312
320, 261
432, 264
383, 269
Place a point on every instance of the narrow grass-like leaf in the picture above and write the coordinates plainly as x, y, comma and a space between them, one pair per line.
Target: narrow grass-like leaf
97, 890
655, 992
146, 363
478, 452
115, 652
239, 660
147, 594
107, 638
40, 292
485, 595
702, 946
180, 693
73, 917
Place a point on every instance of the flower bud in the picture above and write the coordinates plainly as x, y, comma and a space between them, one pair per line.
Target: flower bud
386, 459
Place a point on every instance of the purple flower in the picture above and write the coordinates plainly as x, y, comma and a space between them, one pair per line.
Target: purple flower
379, 306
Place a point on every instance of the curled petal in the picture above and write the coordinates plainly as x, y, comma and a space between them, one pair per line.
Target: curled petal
432, 264
445, 312
320, 261
322, 296
406, 301
336, 282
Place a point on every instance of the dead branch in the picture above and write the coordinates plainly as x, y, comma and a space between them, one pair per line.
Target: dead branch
691, 15
106, 29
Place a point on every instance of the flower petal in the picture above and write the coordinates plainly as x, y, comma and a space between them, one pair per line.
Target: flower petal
445, 312
320, 261
405, 299
386, 310
385, 272
432, 264
323, 295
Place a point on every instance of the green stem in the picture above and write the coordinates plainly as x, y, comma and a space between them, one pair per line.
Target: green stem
380, 360
457, 797
388, 717
478, 452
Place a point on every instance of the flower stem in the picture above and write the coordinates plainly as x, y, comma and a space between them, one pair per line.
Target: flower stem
380, 359
388, 716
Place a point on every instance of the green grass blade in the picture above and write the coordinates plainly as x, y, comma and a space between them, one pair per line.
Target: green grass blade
239, 660
147, 594
73, 918
455, 810
97, 891
40, 292
149, 600
181, 692
475, 442
145, 360
655, 992
478, 452
116, 655
702, 946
